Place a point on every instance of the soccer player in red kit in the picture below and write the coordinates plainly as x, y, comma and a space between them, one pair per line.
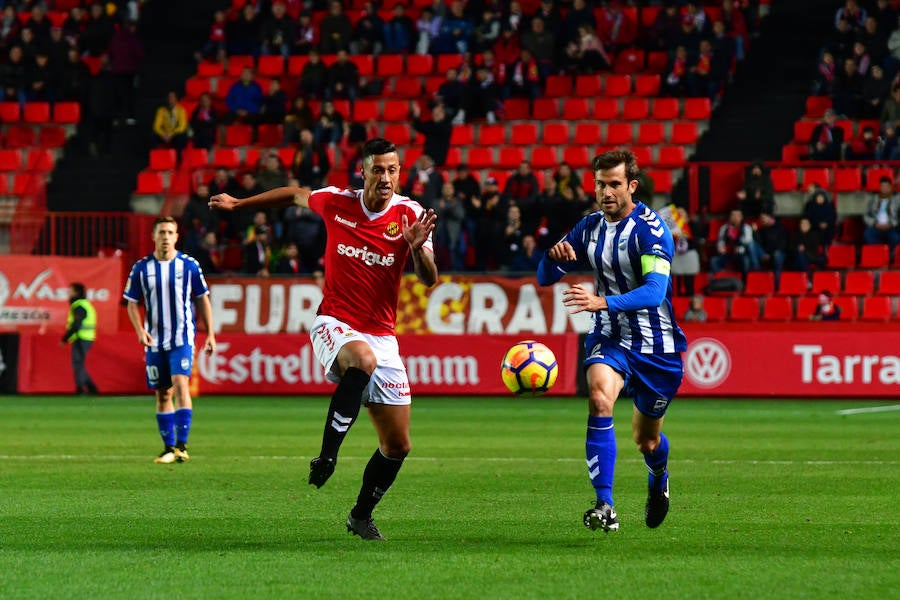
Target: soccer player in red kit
370, 235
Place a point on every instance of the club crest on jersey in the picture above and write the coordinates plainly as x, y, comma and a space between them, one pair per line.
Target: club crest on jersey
392, 232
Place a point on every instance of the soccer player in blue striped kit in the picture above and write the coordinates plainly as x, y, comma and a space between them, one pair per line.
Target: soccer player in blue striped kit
635, 344
169, 283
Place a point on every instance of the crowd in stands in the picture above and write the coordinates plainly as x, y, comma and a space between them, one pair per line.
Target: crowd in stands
504, 50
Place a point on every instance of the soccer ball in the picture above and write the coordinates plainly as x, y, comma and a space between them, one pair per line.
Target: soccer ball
529, 367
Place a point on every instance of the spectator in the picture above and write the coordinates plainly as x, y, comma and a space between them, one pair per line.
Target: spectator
9, 27
289, 262
847, 94
851, 12
28, 43
456, 31
874, 40
488, 215
550, 13
215, 48
884, 15
875, 90
41, 80
428, 29
368, 35
693, 13
243, 34
97, 32
75, 80
271, 172
758, 193
342, 78
208, 253
102, 110
735, 248
329, 127
13, 76
592, 55
239, 224
483, 99
862, 57
736, 26
336, 30
826, 309
244, 99
541, 43
772, 241
74, 25
257, 253
487, 31
507, 49
827, 138
806, 250
197, 219
890, 114
452, 94
841, 45
566, 179
695, 311
57, 48
820, 212
892, 61
888, 148
437, 132
204, 123
525, 77
274, 104
465, 186
314, 77
399, 32
278, 31
705, 77
863, 146
579, 13
522, 189
223, 183
527, 257
306, 229
515, 18
666, 28
823, 84
513, 232
299, 118
170, 125
882, 216
617, 30
424, 183
305, 40
451, 213
686, 260
311, 164
675, 77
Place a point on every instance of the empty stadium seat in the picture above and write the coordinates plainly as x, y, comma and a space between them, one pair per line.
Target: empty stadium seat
859, 283
51, 136
793, 283
589, 85
841, 256
399, 133
877, 308
826, 281
270, 66
390, 65
760, 283
149, 182
575, 108
407, 87
888, 283
646, 85
162, 159
778, 308
662, 180
366, 109
481, 158
195, 157
510, 157
445, 62
544, 157
237, 63
817, 176
806, 306
295, 64
269, 134
744, 308
577, 156
716, 308
784, 179
10, 159
228, 158
874, 256
365, 63
210, 68
629, 60
803, 130
617, 85
556, 134
36, 112
657, 61
848, 180
419, 64
516, 109
492, 135
684, 132
665, 109
588, 133
636, 109
697, 109
558, 86
849, 306
618, 133
548, 108
197, 86
238, 135
524, 134
671, 156
454, 157
395, 110
606, 109
23, 183
39, 159
68, 113
816, 106
651, 133
462, 135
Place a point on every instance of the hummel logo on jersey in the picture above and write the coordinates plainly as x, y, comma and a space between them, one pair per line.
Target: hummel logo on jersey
345, 222
370, 258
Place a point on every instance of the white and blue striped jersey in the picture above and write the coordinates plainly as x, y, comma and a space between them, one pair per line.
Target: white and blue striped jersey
167, 289
614, 252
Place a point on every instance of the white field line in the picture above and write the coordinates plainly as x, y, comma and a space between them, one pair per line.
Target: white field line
870, 409
487, 459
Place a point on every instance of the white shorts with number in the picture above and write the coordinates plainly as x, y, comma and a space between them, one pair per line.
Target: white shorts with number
389, 383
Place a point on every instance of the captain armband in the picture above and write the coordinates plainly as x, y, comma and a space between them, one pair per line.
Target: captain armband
650, 263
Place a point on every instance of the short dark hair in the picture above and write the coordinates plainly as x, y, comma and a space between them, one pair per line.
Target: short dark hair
165, 219
614, 158
376, 147
78, 287
886, 179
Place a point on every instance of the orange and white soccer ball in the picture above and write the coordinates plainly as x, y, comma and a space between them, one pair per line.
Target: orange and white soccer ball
529, 368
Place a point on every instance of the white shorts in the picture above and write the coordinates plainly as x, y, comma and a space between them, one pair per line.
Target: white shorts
389, 383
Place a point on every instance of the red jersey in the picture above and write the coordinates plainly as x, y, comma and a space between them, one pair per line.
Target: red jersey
365, 255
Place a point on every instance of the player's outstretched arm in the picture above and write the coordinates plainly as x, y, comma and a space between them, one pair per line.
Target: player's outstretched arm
550, 269
416, 234
280, 197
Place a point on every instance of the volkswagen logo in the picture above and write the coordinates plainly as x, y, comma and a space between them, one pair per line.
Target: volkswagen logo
708, 363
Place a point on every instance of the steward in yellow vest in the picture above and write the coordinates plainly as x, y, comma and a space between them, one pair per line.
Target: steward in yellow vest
81, 331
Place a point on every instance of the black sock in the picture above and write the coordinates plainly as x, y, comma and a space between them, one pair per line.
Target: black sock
343, 410
380, 473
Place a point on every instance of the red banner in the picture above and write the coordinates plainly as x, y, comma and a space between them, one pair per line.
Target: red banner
285, 364
34, 291
457, 305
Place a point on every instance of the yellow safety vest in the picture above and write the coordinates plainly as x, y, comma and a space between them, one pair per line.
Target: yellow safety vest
88, 330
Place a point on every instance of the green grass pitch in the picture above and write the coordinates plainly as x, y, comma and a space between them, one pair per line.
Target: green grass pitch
770, 499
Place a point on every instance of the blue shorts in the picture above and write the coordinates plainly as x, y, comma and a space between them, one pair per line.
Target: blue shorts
162, 364
652, 380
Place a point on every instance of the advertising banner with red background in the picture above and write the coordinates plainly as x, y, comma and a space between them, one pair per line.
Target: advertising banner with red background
34, 292
285, 364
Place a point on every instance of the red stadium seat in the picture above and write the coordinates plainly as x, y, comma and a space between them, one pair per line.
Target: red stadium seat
10, 159
806, 306
462, 135
636, 109
877, 308
492, 135
407, 87
295, 64
576, 109
849, 307
445, 62
365, 109
823, 281
744, 308
577, 156
784, 179
524, 134
36, 112
10, 112
643, 155
859, 283
364, 62
697, 109
23, 183
163, 159
618, 134
874, 175
791, 153
558, 86
657, 61
209, 68
419, 64
589, 134
197, 86
269, 134
803, 131
390, 65
270, 66
617, 85
665, 109
889, 283
479, 157
149, 182
4, 183
841, 256
237, 63
818, 176
793, 283
816, 106
605, 109
646, 85
716, 308
651, 133
399, 133
760, 283
671, 156
778, 308
454, 157
685, 133
51, 136
433, 83
39, 159
238, 135
848, 180
662, 180
544, 157
395, 110
501, 177
630, 60
228, 158
874, 256
555, 134
516, 109
510, 157
589, 85
67, 113
195, 157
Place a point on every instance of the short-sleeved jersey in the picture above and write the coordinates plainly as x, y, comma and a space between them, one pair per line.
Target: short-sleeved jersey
167, 289
614, 252
365, 255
